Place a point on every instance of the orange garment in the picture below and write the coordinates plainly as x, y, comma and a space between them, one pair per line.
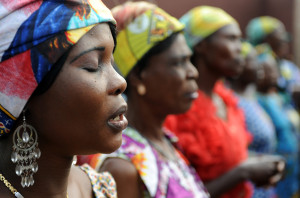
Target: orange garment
212, 145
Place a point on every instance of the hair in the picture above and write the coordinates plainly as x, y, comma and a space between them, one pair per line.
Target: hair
56, 68
157, 49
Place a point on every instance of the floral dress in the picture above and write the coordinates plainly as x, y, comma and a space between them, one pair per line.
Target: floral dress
103, 184
161, 179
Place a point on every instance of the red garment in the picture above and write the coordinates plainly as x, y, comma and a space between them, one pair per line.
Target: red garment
212, 145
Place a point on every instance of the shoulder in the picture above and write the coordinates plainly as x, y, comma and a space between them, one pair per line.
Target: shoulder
103, 184
126, 175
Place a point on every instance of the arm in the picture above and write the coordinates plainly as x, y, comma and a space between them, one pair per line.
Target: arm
126, 176
261, 170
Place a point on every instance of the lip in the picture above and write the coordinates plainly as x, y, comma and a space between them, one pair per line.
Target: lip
192, 95
117, 121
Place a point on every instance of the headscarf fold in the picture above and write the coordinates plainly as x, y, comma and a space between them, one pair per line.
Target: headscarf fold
141, 29
203, 21
34, 35
260, 27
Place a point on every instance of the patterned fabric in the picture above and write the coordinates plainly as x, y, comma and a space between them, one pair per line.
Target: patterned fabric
258, 28
261, 127
161, 178
103, 184
203, 21
287, 144
213, 145
246, 48
139, 36
34, 35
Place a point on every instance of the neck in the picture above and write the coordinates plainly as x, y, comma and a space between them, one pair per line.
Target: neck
53, 167
145, 118
238, 86
207, 77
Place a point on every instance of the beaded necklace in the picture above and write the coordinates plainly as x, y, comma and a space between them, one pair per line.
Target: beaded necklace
12, 189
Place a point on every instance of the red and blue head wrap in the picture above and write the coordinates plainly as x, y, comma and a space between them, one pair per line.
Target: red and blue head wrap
34, 34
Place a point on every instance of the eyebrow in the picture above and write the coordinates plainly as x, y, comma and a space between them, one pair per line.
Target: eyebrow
87, 51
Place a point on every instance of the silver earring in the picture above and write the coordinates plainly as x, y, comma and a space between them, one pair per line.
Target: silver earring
25, 152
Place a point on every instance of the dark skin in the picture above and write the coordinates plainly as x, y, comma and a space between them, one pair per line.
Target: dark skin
216, 57
169, 78
279, 44
71, 118
269, 82
249, 75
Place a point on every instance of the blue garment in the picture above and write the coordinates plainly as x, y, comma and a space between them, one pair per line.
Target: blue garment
287, 145
262, 129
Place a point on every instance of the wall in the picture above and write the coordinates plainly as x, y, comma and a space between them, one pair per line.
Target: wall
242, 10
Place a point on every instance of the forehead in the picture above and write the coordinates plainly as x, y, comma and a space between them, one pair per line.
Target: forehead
177, 48
100, 35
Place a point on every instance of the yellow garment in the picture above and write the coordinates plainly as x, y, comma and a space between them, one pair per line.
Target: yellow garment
203, 21
139, 36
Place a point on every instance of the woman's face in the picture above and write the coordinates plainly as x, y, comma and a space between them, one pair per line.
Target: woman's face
251, 66
222, 53
271, 74
83, 111
169, 79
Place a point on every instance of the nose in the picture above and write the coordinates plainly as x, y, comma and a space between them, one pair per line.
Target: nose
192, 72
117, 83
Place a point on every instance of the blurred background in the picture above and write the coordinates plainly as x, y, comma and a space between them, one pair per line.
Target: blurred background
288, 11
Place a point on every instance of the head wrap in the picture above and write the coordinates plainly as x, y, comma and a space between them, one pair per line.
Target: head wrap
260, 27
203, 21
142, 30
34, 35
246, 48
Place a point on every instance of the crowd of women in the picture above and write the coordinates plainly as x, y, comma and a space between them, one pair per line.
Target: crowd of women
211, 113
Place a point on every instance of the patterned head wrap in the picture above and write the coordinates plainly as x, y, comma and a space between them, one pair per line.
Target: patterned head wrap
260, 27
246, 49
203, 21
143, 25
34, 34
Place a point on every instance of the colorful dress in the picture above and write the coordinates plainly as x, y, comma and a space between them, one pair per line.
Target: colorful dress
103, 184
213, 145
263, 132
287, 144
161, 179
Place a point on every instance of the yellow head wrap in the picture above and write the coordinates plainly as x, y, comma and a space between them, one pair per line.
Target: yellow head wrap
203, 21
141, 34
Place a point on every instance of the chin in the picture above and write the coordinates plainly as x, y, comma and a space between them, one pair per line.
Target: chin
111, 146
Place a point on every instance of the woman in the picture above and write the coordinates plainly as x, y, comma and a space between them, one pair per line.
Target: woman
212, 133
258, 122
269, 34
60, 96
287, 144
154, 58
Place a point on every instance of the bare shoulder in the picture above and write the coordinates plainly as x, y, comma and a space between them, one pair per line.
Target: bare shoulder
79, 183
126, 176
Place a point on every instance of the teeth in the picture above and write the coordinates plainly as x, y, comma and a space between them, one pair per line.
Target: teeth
195, 95
117, 118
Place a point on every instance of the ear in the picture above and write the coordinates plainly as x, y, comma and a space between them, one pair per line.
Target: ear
135, 78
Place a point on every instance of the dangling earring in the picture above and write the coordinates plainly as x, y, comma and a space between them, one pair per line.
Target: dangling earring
25, 152
141, 89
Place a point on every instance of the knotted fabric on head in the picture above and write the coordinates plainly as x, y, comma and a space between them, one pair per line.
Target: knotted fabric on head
247, 48
260, 27
33, 36
141, 26
202, 21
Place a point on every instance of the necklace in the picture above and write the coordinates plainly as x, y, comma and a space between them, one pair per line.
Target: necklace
161, 151
10, 187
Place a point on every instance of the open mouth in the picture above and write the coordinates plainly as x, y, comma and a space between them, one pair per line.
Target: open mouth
118, 121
